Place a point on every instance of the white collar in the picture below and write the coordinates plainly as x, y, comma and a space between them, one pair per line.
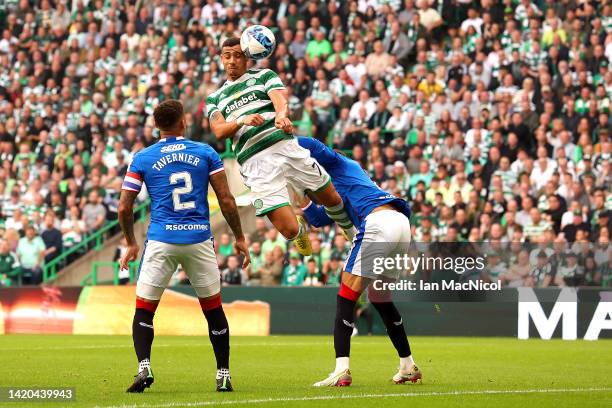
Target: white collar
171, 138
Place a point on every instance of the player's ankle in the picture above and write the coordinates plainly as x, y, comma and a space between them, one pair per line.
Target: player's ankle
406, 363
293, 234
222, 372
342, 363
145, 363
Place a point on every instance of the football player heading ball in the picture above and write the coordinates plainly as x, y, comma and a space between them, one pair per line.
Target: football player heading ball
251, 107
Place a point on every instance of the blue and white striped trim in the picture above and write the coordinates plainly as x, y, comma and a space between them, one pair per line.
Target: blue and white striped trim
350, 263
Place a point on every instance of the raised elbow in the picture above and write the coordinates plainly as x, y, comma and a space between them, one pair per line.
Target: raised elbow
227, 202
218, 132
124, 209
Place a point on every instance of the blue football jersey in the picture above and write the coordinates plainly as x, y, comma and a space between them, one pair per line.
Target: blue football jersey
359, 193
176, 173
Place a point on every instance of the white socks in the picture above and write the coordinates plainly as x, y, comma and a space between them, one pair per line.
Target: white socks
144, 364
300, 232
342, 363
222, 372
406, 363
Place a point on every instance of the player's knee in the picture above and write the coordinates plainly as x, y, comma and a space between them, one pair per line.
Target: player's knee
329, 197
388, 312
149, 292
146, 305
208, 294
348, 292
210, 303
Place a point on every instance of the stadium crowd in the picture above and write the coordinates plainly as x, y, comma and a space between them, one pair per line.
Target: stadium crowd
492, 118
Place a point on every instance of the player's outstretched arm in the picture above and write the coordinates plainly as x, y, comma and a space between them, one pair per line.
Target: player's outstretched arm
281, 107
126, 221
223, 129
227, 203
315, 213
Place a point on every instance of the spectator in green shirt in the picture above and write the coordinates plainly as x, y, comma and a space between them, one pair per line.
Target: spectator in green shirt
313, 277
320, 254
31, 252
318, 47
257, 261
322, 100
274, 240
423, 175
334, 271
225, 245
338, 58
9, 265
295, 272
86, 103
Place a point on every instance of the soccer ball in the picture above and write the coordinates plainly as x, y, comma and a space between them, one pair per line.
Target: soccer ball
257, 42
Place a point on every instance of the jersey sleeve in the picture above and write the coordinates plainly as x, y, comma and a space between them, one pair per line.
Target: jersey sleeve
272, 81
323, 154
215, 164
315, 214
134, 176
211, 106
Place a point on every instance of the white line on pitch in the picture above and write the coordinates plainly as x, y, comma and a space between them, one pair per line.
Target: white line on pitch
358, 396
202, 344
194, 344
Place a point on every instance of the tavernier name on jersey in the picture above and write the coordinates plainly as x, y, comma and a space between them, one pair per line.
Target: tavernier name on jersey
245, 96
174, 157
176, 173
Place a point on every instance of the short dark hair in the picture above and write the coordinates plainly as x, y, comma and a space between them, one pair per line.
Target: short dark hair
167, 114
230, 42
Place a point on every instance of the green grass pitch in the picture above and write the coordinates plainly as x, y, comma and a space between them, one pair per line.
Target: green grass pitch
278, 371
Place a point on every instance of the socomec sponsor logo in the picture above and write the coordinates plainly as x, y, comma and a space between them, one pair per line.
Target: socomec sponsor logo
186, 227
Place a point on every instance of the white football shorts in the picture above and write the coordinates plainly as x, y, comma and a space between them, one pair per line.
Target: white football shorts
383, 234
284, 164
160, 260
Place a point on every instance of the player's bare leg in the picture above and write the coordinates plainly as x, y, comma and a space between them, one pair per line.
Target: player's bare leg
142, 335
329, 198
292, 227
218, 332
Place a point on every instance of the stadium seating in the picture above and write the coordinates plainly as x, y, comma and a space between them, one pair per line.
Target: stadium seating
492, 118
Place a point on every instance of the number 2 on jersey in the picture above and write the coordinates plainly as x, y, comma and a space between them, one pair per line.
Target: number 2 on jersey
177, 192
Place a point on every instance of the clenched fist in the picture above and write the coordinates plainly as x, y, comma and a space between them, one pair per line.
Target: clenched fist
284, 123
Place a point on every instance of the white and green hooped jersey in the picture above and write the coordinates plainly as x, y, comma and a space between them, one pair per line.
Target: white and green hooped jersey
245, 96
